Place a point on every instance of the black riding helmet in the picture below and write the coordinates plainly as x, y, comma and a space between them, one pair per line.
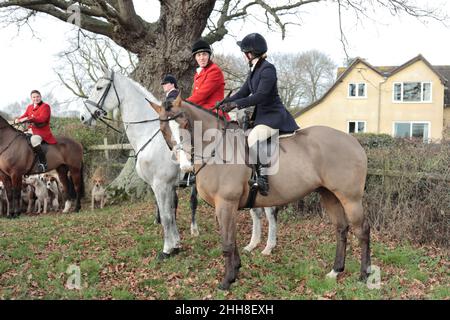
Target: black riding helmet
254, 43
201, 46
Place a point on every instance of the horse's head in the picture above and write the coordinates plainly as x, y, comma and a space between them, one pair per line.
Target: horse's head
102, 99
171, 111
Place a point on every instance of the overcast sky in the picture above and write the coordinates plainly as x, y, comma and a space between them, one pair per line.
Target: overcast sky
27, 63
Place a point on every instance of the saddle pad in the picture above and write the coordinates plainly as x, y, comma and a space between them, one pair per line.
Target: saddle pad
287, 135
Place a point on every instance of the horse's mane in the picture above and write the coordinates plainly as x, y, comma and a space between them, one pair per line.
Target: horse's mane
214, 114
142, 90
3, 120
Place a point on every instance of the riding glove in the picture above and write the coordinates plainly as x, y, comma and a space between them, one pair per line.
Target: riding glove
228, 106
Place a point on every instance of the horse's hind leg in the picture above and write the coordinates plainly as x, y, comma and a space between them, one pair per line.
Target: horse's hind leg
271, 215
337, 215
361, 228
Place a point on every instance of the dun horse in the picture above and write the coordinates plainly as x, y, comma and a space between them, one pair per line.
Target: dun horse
314, 159
18, 159
115, 93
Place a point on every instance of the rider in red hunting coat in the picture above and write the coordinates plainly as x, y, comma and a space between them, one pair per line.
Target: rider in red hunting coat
209, 82
37, 115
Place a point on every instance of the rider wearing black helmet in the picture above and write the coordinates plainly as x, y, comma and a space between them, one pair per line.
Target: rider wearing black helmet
209, 82
260, 90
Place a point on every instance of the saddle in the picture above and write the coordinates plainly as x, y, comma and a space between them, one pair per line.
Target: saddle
40, 154
269, 148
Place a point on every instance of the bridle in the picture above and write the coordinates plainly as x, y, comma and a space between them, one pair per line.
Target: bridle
167, 106
100, 113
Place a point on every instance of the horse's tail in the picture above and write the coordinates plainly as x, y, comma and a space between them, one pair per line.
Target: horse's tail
82, 193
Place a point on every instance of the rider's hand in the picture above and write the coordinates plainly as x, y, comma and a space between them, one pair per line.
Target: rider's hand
16, 121
228, 106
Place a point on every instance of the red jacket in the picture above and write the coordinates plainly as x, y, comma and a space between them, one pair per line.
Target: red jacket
209, 86
40, 115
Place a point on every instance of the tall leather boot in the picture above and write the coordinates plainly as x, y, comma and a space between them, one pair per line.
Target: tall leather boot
262, 181
42, 160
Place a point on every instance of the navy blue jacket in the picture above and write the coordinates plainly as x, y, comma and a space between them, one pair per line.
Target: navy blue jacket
173, 94
260, 90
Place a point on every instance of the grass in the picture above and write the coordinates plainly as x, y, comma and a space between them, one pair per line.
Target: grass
116, 252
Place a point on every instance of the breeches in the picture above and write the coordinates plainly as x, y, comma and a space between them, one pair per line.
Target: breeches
35, 140
260, 133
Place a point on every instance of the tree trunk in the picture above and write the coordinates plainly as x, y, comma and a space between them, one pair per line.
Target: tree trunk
167, 51
128, 185
167, 48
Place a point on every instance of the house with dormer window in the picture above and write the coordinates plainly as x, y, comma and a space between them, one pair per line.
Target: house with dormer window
411, 100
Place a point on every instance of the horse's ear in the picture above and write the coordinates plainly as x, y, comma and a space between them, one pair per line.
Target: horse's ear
177, 101
156, 107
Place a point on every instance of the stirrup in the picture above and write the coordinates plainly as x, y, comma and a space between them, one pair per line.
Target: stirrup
264, 191
189, 181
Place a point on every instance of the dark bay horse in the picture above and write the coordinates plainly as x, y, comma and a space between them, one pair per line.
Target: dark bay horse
314, 159
18, 159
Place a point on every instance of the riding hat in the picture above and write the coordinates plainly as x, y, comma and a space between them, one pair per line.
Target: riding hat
254, 43
201, 46
169, 79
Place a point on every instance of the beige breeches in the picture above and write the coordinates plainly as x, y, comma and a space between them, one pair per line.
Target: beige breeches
35, 140
260, 133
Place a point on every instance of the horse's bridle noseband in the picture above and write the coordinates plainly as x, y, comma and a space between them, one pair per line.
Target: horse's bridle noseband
100, 113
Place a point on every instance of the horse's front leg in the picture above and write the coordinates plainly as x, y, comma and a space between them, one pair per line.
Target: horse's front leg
166, 200
226, 214
16, 187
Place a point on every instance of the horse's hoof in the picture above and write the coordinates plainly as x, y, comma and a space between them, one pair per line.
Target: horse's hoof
332, 274
175, 251
194, 232
266, 251
224, 286
363, 277
249, 248
163, 256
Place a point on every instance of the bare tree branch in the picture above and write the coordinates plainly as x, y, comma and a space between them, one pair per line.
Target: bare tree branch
81, 67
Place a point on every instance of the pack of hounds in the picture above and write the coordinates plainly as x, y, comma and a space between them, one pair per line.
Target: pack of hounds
42, 193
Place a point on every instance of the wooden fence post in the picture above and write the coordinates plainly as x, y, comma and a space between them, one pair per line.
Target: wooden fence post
105, 142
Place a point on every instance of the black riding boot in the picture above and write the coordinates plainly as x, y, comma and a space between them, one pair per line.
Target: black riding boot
262, 181
42, 160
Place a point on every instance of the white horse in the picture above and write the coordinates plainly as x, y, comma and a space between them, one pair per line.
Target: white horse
154, 163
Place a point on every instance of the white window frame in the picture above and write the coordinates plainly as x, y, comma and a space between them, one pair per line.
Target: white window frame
421, 92
356, 125
410, 128
357, 85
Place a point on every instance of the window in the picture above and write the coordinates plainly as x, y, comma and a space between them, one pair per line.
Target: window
356, 126
357, 90
412, 130
412, 92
